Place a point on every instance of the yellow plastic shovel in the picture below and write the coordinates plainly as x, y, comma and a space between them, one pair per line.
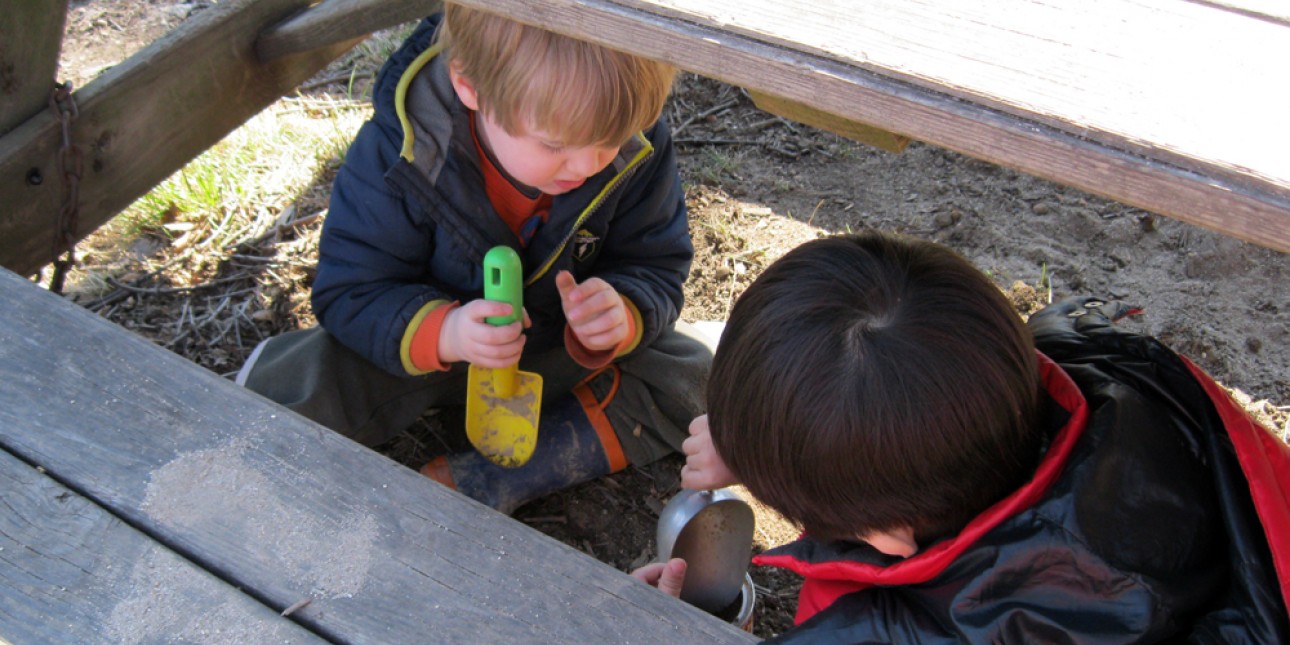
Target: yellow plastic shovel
503, 404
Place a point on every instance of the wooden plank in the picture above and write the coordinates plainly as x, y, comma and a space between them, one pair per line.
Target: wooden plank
70, 572
144, 119
30, 37
286, 509
333, 21
803, 113
1187, 83
1222, 165
1275, 10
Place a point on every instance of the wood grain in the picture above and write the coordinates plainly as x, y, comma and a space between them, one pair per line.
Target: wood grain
144, 119
71, 572
29, 41
336, 21
1183, 82
287, 510
1171, 106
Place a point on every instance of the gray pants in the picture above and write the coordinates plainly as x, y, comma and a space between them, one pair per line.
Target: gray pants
309, 371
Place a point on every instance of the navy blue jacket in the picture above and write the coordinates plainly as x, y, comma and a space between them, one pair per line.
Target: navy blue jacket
1138, 526
409, 222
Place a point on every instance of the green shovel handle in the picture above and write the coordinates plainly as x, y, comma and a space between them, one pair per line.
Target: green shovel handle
503, 276
503, 282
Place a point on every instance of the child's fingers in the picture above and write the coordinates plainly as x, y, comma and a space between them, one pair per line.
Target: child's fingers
690, 446
480, 309
488, 334
650, 573
705, 478
597, 303
506, 354
601, 342
567, 285
699, 425
492, 344
605, 322
602, 332
672, 577
667, 577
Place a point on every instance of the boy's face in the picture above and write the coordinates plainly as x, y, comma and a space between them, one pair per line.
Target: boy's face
535, 158
540, 159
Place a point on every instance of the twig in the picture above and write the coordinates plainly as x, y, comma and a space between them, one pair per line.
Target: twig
351, 74
814, 211
704, 114
237, 325
718, 142
297, 606
277, 230
734, 284
774, 120
160, 290
122, 291
547, 519
310, 103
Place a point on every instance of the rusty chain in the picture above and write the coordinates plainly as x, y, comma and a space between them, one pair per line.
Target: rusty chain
71, 164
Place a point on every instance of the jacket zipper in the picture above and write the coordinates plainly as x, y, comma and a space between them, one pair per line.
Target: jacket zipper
591, 210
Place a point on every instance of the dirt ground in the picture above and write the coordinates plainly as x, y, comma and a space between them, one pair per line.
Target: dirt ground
757, 186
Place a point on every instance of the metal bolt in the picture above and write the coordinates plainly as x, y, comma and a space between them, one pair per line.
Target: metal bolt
34, 178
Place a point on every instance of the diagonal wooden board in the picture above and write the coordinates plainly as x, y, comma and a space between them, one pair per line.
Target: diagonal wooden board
143, 120
72, 572
283, 508
1175, 107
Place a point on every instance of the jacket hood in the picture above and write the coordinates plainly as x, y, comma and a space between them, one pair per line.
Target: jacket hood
845, 567
1158, 512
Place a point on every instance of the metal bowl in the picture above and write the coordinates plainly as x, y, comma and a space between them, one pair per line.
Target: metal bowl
712, 531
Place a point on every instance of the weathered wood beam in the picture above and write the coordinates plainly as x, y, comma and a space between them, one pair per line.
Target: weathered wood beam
143, 120
1243, 206
803, 113
1274, 10
30, 36
333, 21
285, 509
72, 572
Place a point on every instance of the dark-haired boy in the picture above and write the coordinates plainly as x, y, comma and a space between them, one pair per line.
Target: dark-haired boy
955, 485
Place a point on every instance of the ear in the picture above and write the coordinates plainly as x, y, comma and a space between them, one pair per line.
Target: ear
898, 541
464, 86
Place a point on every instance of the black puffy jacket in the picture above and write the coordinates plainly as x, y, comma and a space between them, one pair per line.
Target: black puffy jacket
1139, 525
409, 222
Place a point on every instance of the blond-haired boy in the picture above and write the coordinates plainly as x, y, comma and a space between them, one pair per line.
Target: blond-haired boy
489, 132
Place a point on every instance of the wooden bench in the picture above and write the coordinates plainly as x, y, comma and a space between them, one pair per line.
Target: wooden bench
1174, 106
1178, 107
147, 499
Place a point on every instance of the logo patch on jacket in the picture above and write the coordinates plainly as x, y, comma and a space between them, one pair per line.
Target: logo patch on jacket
585, 245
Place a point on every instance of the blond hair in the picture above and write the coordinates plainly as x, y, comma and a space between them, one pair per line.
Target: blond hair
528, 77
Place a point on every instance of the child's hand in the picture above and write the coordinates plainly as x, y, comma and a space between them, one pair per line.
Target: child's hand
667, 577
595, 312
704, 469
467, 336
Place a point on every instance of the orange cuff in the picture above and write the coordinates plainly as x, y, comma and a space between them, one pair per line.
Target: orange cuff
594, 359
420, 347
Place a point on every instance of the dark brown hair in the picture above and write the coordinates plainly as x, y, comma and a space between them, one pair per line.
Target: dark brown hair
868, 382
